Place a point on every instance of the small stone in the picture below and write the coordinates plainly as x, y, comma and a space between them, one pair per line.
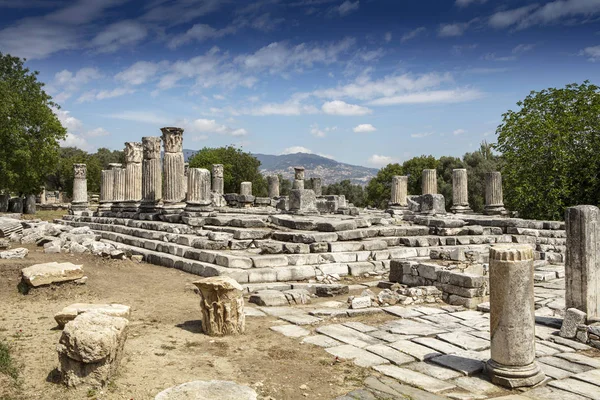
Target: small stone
13, 254
360, 302
573, 317
222, 390
137, 258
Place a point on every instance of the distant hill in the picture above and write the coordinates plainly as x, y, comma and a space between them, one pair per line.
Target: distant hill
329, 170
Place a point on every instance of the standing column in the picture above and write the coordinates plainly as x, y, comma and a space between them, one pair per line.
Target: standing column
512, 317
43, 195
399, 191
494, 204
582, 265
107, 183
186, 167
273, 183
173, 174
118, 187
317, 186
199, 196
460, 192
298, 178
133, 174
246, 199
80, 200
429, 182
151, 175
218, 185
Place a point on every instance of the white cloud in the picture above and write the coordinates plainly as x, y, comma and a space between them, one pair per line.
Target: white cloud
504, 19
202, 125
73, 140
412, 34
94, 94
218, 97
421, 135
380, 161
119, 34
148, 117
464, 3
98, 132
316, 131
494, 57
140, 72
522, 48
434, 96
296, 149
452, 30
199, 33
364, 128
347, 7
459, 49
338, 107
592, 52
66, 83
458, 131
178, 12
387, 37
560, 10
70, 123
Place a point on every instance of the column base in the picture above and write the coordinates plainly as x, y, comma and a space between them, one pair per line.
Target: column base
171, 212
461, 209
495, 210
80, 209
131, 206
515, 377
149, 211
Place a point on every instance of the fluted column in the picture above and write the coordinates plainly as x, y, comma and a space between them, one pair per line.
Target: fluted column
298, 178
317, 186
80, 201
273, 183
199, 186
151, 172
173, 166
429, 181
186, 167
494, 203
460, 192
107, 182
399, 191
512, 317
133, 171
119, 186
246, 188
218, 183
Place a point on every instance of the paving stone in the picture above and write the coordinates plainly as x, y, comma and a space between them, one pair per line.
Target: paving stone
476, 385
433, 370
512, 397
465, 341
465, 396
545, 333
542, 350
402, 312
592, 376
467, 366
300, 319
555, 373
359, 326
279, 311
414, 378
416, 350
400, 391
468, 314
389, 337
408, 327
485, 335
347, 335
564, 364
253, 312
577, 387
321, 341
364, 311
550, 393
290, 330
360, 357
437, 345
393, 355
581, 359
329, 312
570, 343
429, 310
559, 347
441, 319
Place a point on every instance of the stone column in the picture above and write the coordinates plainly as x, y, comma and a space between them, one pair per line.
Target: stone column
222, 305
80, 200
317, 186
186, 167
199, 196
173, 165
494, 204
151, 174
246, 199
133, 174
399, 191
43, 195
273, 182
582, 265
118, 187
246, 188
512, 317
429, 182
217, 179
460, 193
298, 178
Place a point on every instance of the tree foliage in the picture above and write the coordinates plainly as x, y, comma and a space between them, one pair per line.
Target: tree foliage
29, 129
355, 194
550, 147
238, 166
379, 188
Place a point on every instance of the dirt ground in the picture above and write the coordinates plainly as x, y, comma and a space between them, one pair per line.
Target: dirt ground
165, 346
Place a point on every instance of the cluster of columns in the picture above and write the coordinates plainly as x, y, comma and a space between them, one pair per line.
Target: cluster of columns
494, 204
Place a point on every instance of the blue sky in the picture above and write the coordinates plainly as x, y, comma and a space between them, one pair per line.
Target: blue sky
365, 82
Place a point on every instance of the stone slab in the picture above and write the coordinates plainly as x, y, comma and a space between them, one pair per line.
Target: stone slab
290, 330
360, 357
592, 377
394, 356
467, 366
300, 319
222, 390
70, 312
465, 341
347, 335
577, 387
581, 359
550, 393
321, 341
53, 272
414, 378
415, 350
409, 327
433, 370
564, 364
402, 312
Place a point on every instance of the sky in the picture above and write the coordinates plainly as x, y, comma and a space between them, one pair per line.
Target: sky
366, 82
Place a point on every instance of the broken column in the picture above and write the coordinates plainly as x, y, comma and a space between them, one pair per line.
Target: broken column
582, 264
199, 197
151, 176
494, 204
173, 174
186, 167
245, 198
429, 182
317, 186
512, 317
218, 185
222, 305
80, 200
399, 191
298, 178
460, 193
273, 183
133, 175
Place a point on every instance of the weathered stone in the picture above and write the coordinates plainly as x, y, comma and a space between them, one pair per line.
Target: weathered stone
18, 253
429, 181
53, 272
494, 203
269, 298
222, 305
199, 390
573, 318
90, 348
69, 313
399, 191
303, 201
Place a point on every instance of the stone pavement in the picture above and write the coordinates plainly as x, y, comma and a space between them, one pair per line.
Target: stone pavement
439, 352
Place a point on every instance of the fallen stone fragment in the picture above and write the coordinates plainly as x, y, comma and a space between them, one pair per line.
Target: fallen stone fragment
14, 254
269, 298
573, 317
200, 390
90, 349
53, 272
69, 313
222, 306
331, 290
360, 302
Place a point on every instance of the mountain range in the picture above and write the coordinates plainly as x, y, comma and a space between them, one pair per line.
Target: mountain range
329, 170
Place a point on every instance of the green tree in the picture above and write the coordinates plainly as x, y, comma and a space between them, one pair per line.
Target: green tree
355, 194
285, 185
477, 164
550, 148
444, 176
379, 188
414, 169
29, 129
238, 166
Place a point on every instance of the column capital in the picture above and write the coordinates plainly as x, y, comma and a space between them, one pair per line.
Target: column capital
173, 139
133, 152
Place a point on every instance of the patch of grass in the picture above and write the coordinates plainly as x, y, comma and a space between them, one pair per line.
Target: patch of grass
7, 364
167, 347
91, 393
193, 344
46, 215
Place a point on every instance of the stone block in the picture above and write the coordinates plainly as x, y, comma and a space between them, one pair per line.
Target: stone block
269, 298
222, 390
465, 280
360, 302
69, 313
573, 318
53, 272
303, 200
